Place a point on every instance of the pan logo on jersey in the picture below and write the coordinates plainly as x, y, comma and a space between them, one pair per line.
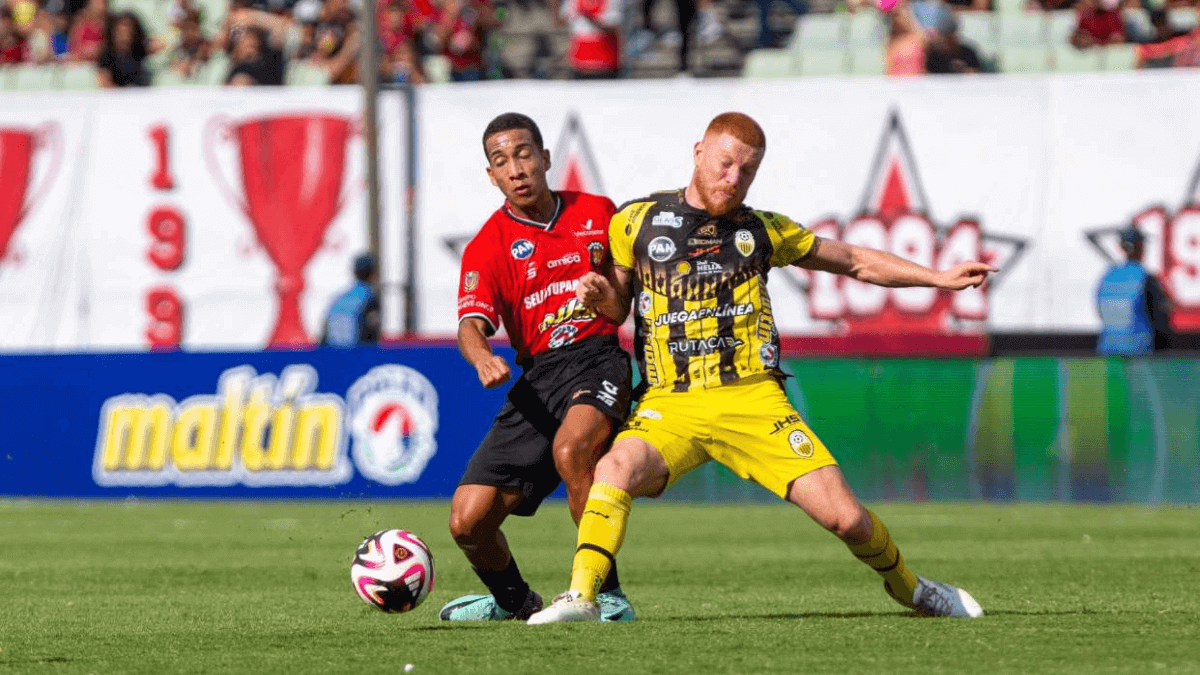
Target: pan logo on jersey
393, 413
257, 430
801, 444
667, 219
470, 281
562, 336
596, 253
744, 242
522, 249
571, 310
660, 249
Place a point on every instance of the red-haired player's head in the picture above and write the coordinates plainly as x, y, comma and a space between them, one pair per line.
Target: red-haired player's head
517, 164
726, 160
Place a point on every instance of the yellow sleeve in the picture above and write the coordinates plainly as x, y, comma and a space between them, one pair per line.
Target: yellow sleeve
790, 242
623, 230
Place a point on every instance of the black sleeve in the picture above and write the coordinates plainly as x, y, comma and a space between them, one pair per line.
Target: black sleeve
370, 322
1158, 307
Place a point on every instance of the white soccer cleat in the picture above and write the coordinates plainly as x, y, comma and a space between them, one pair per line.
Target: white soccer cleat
937, 599
569, 606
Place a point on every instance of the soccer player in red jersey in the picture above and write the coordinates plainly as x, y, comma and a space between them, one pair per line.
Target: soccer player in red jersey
521, 271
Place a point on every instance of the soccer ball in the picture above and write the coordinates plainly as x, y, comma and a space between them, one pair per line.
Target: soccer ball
392, 570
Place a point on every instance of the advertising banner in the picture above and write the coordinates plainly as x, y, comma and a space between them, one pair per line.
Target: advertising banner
1034, 175
366, 422
200, 218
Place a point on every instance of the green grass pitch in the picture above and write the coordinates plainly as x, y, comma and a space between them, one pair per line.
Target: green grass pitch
262, 588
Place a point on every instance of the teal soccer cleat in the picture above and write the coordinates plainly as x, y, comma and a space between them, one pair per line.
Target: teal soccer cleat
484, 608
614, 606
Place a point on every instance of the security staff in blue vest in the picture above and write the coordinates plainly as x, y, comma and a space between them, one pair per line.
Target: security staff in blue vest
1133, 306
354, 318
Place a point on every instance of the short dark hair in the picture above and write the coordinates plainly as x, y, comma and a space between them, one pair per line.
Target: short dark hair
364, 267
510, 121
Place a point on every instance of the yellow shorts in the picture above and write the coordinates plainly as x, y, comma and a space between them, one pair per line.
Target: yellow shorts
749, 426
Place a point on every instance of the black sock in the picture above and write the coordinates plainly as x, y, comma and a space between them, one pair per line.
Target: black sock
507, 586
611, 581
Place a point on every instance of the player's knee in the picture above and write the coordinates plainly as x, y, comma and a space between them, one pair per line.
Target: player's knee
466, 529
572, 457
850, 525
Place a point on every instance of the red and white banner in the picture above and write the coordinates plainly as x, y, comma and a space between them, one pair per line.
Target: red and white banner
201, 218
1032, 174
222, 218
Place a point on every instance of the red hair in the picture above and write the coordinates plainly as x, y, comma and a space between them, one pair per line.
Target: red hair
739, 125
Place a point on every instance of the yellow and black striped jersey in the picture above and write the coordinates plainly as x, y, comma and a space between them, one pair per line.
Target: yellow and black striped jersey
702, 312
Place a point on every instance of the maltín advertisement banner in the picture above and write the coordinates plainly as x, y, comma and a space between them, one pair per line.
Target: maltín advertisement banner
366, 422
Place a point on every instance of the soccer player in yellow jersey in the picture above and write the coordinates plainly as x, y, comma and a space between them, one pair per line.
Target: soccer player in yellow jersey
694, 265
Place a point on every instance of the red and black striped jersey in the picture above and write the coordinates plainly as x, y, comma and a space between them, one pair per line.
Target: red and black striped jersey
523, 274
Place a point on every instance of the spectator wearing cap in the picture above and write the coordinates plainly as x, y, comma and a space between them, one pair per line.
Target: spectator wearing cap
354, 317
944, 53
1135, 311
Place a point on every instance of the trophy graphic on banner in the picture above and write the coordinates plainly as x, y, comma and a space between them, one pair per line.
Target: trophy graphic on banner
17, 150
291, 176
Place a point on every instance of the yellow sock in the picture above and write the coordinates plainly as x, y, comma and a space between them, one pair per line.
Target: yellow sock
601, 531
881, 555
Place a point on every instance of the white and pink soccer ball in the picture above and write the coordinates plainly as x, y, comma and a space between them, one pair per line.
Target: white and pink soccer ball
392, 570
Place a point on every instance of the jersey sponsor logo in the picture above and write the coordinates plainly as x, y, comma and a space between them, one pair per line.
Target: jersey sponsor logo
769, 355
801, 444
785, 423
708, 267
531, 269
707, 250
719, 312
705, 241
521, 249
744, 242
551, 289
667, 219
572, 257
596, 253
707, 230
563, 335
470, 301
394, 420
684, 267
571, 310
470, 281
660, 249
645, 302
649, 414
608, 393
701, 346
258, 430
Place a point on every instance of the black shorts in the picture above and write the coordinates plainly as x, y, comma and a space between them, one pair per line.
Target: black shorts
518, 450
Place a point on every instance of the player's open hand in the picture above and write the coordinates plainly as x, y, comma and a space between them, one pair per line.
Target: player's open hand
593, 290
493, 371
968, 274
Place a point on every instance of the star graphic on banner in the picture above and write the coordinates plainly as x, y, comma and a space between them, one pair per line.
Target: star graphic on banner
894, 194
1172, 250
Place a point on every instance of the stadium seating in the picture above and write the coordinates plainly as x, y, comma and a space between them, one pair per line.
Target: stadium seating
1025, 58
978, 29
1120, 57
820, 31
768, 63
306, 74
867, 60
77, 76
1022, 29
822, 62
1068, 59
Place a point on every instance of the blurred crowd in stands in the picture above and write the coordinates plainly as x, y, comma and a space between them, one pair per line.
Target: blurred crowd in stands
255, 42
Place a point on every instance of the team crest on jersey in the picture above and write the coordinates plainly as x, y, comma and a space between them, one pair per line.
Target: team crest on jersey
801, 444
769, 354
563, 335
660, 249
470, 281
683, 267
596, 253
645, 302
393, 417
522, 249
667, 219
744, 242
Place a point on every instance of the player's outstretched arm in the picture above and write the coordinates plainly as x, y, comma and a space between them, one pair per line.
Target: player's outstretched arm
884, 269
608, 295
493, 370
